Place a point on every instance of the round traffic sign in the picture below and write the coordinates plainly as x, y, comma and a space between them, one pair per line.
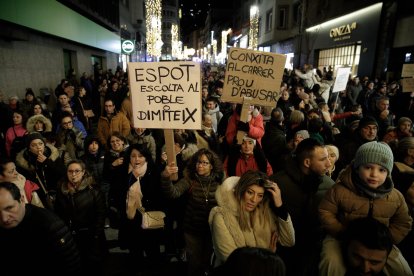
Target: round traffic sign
127, 46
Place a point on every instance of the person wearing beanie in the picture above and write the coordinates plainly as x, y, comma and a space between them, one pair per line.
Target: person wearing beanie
404, 129
364, 189
41, 163
366, 131
27, 104
94, 157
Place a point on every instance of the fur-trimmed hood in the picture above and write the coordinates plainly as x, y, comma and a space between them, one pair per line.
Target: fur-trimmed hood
35, 118
225, 194
22, 157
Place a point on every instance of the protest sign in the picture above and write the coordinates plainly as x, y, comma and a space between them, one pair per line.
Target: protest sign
407, 84
165, 95
407, 70
253, 74
341, 80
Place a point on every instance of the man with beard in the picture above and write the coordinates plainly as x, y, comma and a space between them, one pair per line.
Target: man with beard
303, 184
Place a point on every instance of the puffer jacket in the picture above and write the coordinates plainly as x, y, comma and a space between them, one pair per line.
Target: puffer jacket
201, 199
344, 203
225, 228
118, 123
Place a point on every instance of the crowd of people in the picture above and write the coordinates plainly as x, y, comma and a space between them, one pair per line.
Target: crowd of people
321, 183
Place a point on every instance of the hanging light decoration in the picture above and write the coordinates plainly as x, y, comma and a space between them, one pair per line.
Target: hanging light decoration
153, 25
175, 53
254, 27
214, 57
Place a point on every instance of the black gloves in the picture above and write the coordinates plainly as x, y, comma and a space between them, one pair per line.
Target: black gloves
242, 126
72, 135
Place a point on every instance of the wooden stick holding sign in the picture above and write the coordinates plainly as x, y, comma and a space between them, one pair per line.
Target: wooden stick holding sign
170, 149
244, 116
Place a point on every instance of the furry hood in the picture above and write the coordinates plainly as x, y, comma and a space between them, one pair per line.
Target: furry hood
32, 121
24, 163
225, 194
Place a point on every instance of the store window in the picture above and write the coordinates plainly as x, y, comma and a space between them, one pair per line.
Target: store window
343, 56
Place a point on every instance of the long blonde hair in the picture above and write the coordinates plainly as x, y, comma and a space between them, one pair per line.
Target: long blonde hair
247, 219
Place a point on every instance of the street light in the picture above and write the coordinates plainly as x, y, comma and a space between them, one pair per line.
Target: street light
254, 27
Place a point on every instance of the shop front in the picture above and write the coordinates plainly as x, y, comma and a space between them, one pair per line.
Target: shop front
346, 41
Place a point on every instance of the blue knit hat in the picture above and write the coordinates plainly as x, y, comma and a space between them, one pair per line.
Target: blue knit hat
376, 153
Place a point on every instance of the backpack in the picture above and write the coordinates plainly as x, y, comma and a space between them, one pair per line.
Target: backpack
18, 144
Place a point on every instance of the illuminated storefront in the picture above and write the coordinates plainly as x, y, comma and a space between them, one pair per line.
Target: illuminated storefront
350, 40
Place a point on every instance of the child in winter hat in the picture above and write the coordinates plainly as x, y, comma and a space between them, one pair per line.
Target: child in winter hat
364, 189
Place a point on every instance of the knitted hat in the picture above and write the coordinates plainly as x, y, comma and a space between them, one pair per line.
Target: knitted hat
376, 153
33, 136
366, 121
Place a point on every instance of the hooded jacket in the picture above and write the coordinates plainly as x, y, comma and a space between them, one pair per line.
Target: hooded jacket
49, 172
225, 228
345, 202
35, 118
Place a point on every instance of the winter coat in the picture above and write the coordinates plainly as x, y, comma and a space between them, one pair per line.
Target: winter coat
41, 242
118, 123
274, 145
256, 127
344, 202
226, 231
35, 118
73, 140
10, 136
49, 172
402, 176
301, 196
131, 234
201, 199
236, 164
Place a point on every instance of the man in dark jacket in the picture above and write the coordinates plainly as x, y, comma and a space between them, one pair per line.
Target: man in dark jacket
303, 184
274, 140
33, 240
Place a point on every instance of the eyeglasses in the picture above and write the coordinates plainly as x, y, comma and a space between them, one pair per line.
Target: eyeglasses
75, 172
203, 163
66, 123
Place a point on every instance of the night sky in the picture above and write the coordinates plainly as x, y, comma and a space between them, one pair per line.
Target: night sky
194, 13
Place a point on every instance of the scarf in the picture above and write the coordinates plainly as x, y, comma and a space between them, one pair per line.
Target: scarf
380, 192
207, 130
139, 171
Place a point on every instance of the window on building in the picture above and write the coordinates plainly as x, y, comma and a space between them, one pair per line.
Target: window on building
269, 20
345, 56
282, 17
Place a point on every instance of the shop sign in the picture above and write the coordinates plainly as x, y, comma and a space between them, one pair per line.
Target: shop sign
127, 46
342, 32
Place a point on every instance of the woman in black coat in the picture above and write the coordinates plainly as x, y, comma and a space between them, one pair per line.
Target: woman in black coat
82, 206
140, 189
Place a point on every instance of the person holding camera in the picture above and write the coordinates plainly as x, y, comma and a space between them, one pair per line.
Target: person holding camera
250, 212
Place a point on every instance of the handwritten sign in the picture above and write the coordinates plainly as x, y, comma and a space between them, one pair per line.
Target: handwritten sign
253, 74
407, 70
341, 80
408, 84
165, 95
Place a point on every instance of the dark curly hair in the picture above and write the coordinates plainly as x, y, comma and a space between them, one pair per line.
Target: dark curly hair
217, 165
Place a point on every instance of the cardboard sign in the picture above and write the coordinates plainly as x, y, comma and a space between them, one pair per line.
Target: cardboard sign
342, 78
408, 84
165, 95
407, 70
253, 74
